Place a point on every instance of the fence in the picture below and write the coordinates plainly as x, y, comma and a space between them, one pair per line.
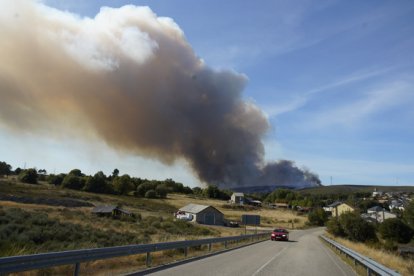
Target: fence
372, 267
75, 257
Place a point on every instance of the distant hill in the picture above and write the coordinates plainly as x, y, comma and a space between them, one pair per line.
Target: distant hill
333, 189
350, 188
258, 189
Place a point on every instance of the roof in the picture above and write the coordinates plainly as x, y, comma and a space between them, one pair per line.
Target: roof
104, 209
195, 208
238, 194
109, 209
376, 209
335, 204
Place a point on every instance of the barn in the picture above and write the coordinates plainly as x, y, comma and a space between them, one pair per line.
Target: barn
204, 214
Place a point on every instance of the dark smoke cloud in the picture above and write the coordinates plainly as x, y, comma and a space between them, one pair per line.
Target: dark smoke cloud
131, 78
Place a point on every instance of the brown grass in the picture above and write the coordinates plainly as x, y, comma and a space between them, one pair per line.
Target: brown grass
269, 217
388, 259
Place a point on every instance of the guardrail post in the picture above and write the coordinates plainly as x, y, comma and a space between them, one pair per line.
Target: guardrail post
148, 259
225, 244
209, 247
77, 268
185, 251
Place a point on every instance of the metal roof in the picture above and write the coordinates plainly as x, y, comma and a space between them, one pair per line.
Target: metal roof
194, 208
376, 209
336, 203
238, 194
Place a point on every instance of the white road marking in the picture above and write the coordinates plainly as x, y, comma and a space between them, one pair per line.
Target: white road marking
268, 262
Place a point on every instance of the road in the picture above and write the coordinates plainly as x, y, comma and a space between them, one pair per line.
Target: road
305, 254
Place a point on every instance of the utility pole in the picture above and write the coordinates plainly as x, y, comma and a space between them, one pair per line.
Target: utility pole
331, 180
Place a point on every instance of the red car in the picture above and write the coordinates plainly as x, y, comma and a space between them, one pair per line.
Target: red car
280, 234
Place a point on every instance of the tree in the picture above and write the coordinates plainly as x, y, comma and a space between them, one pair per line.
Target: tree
76, 172
161, 191
318, 217
56, 179
5, 169
115, 173
72, 181
28, 176
123, 185
145, 187
396, 230
97, 184
17, 171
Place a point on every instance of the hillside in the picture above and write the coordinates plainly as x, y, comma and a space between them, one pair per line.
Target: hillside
52, 210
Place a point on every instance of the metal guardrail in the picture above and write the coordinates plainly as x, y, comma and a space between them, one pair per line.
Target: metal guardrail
372, 266
75, 257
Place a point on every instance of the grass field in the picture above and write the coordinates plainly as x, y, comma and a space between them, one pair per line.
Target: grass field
28, 228
154, 212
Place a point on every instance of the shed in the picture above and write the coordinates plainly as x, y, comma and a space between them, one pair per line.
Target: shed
110, 210
237, 198
204, 214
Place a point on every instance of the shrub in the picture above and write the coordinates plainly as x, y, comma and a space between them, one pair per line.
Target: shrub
357, 229
335, 228
151, 194
394, 229
28, 176
318, 217
34, 232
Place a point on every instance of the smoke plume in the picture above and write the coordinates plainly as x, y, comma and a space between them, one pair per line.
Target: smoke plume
132, 79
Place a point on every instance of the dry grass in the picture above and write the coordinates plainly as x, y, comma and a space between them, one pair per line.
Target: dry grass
269, 217
388, 259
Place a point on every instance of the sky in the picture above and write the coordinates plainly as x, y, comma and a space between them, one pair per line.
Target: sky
335, 80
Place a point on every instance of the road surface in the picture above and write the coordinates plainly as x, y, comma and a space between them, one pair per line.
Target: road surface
305, 254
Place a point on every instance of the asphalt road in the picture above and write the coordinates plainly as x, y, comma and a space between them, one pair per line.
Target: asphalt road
304, 254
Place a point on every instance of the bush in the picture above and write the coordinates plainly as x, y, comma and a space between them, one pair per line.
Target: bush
335, 228
357, 229
318, 217
28, 176
396, 230
34, 232
353, 227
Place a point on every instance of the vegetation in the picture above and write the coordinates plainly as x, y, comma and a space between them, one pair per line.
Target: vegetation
28, 176
33, 232
396, 230
353, 227
5, 169
318, 217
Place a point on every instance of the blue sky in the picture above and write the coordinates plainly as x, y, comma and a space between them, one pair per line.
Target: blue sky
335, 79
